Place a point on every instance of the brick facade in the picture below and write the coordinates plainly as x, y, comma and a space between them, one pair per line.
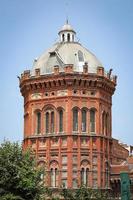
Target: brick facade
72, 154
68, 118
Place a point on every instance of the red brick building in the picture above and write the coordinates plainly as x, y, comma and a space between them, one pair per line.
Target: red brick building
68, 114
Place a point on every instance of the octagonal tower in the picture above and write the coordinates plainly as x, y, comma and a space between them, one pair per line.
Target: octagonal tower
67, 114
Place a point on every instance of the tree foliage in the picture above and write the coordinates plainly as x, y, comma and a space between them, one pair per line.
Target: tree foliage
20, 179
85, 193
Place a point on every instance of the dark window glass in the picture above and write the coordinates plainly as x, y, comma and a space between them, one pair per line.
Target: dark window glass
92, 121
68, 37
60, 121
83, 120
52, 122
63, 37
47, 122
75, 120
87, 176
38, 122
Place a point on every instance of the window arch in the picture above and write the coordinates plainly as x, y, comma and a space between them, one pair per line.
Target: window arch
60, 120
84, 120
80, 56
92, 120
38, 122
75, 119
85, 172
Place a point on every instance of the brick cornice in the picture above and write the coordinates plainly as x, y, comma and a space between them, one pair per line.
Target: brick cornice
66, 80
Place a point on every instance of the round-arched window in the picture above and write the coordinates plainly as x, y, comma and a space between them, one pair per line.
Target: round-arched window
80, 56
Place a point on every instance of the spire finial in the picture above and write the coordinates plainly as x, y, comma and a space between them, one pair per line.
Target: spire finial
67, 12
67, 20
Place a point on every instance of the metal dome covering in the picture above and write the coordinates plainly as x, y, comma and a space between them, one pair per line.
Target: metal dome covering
67, 27
64, 53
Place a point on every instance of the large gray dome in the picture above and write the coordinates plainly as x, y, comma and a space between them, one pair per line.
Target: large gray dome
66, 52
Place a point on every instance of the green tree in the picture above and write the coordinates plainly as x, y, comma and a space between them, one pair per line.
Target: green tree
68, 194
85, 193
20, 179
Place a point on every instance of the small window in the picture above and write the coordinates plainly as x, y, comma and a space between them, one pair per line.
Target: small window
83, 120
92, 121
47, 122
38, 115
80, 56
75, 91
63, 38
68, 37
52, 122
75, 120
60, 121
84, 92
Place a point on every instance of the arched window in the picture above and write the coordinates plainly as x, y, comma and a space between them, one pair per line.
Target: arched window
61, 121
84, 176
47, 122
38, 122
54, 176
80, 56
52, 122
68, 37
92, 121
63, 37
75, 119
83, 120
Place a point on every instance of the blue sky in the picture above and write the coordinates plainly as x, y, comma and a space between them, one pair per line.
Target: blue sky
29, 27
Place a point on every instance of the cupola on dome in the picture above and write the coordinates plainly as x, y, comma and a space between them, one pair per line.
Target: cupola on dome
66, 51
67, 27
